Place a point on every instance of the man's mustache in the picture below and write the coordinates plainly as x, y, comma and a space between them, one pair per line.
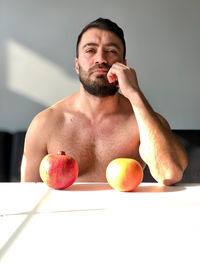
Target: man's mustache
100, 66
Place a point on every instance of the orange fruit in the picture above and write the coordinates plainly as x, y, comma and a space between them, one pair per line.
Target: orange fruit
124, 174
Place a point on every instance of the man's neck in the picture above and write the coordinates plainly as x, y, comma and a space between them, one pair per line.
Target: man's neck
97, 108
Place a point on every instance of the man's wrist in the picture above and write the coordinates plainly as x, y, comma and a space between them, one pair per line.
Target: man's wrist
135, 97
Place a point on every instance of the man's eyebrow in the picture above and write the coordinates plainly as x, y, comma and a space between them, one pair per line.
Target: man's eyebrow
107, 44
113, 44
90, 44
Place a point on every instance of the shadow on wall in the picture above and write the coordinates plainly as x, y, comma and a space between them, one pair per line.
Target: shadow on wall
35, 76
33, 83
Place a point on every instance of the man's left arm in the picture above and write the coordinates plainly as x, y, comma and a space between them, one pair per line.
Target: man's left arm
159, 148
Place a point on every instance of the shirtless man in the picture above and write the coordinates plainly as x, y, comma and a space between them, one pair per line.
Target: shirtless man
98, 124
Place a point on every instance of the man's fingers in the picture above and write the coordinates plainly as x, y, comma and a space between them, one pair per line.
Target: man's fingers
111, 77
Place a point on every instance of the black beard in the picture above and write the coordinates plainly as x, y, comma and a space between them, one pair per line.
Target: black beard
99, 87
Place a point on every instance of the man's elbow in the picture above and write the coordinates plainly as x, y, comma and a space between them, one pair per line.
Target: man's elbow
174, 175
172, 179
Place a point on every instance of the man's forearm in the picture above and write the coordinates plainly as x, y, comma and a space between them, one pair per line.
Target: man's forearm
158, 148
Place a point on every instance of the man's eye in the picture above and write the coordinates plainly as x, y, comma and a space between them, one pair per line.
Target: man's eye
112, 51
90, 51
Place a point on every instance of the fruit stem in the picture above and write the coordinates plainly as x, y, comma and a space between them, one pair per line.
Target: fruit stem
61, 153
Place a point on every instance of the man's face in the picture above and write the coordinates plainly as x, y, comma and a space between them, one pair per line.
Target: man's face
98, 51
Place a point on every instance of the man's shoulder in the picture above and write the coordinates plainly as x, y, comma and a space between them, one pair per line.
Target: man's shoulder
45, 114
65, 105
55, 112
42, 119
163, 121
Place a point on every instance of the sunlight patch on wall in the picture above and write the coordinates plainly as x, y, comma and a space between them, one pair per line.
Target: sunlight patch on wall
35, 77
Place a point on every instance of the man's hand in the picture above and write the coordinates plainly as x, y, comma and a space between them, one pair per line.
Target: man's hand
126, 77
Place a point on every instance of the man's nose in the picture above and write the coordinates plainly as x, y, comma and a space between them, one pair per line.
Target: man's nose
100, 57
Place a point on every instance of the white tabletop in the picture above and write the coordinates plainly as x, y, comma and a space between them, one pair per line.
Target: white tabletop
95, 225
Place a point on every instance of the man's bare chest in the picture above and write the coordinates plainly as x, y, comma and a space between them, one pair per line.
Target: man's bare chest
93, 148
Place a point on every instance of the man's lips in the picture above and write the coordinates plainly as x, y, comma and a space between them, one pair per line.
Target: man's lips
100, 71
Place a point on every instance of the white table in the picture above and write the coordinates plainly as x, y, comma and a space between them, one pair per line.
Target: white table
94, 225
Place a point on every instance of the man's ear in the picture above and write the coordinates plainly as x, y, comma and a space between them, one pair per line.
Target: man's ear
76, 65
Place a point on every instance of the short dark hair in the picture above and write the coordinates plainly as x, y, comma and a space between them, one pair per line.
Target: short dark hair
103, 24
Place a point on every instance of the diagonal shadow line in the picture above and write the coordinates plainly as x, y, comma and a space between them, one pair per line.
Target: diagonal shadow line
57, 211
20, 228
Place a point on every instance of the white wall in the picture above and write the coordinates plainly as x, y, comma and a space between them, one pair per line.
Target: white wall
37, 51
